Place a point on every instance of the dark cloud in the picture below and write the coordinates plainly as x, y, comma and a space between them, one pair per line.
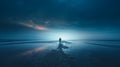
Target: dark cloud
97, 15
83, 9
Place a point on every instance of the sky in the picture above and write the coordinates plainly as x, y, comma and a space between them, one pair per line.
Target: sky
32, 18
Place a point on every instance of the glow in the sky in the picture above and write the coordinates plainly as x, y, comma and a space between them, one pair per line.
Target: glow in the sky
65, 35
33, 25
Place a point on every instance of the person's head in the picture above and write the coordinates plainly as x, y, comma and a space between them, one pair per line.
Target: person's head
60, 39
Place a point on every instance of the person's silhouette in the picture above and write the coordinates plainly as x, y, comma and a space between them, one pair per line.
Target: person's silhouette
61, 46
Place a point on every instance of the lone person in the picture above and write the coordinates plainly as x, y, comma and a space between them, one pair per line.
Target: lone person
61, 46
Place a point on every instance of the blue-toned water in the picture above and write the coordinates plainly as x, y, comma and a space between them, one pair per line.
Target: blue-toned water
87, 53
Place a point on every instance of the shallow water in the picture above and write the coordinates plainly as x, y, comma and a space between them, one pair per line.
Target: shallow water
87, 55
